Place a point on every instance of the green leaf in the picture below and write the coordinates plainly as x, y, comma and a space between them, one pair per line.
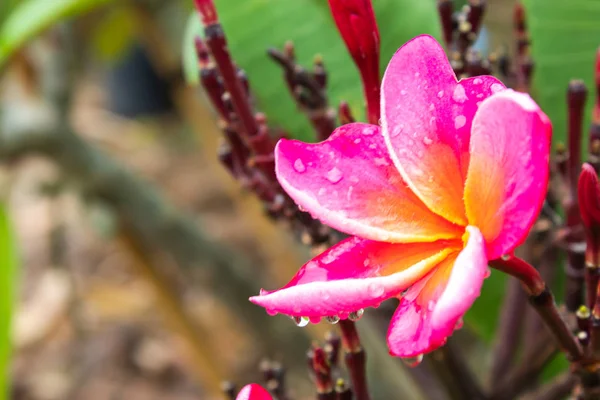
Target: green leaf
30, 17
8, 271
253, 26
483, 316
565, 36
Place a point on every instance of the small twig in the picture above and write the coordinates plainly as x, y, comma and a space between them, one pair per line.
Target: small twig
521, 378
459, 372
356, 359
557, 389
508, 333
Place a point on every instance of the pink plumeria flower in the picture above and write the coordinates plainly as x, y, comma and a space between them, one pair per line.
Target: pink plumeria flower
253, 392
454, 176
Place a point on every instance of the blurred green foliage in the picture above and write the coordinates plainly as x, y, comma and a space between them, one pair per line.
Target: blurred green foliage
565, 36
253, 26
8, 283
27, 18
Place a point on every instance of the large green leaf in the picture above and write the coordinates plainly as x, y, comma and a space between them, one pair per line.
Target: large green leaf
29, 17
8, 270
565, 36
252, 26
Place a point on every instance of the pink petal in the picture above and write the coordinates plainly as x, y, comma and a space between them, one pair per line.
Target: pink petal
426, 118
253, 392
350, 183
354, 274
508, 173
431, 309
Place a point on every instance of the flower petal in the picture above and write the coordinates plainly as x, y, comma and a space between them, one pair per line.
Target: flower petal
508, 172
431, 309
354, 274
426, 118
253, 392
350, 183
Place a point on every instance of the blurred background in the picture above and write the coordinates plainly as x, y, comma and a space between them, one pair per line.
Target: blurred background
127, 252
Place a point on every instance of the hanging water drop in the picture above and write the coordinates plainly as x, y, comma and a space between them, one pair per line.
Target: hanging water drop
299, 166
334, 175
460, 121
332, 319
356, 315
413, 361
301, 321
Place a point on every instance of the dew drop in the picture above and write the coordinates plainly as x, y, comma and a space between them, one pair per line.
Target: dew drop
357, 141
413, 361
459, 94
496, 87
417, 74
272, 313
332, 319
356, 315
372, 146
328, 258
375, 289
299, 166
487, 273
505, 257
477, 81
369, 131
459, 324
427, 141
380, 162
334, 175
301, 321
441, 94
403, 92
366, 262
430, 305
314, 320
321, 191
460, 121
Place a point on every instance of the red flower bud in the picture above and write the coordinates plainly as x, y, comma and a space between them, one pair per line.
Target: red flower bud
589, 206
207, 10
355, 20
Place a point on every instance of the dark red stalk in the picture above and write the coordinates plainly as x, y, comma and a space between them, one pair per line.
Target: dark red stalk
355, 358
345, 114
356, 23
542, 300
445, 10
576, 97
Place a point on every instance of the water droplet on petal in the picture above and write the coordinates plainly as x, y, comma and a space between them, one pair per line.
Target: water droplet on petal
403, 92
496, 87
334, 175
356, 315
369, 131
487, 273
460, 121
375, 289
430, 305
505, 257
328, 258
396, 130
441, 94
332, 319
357, 141
272, 313
477, 81
315, 320
301, 321
459, 323
427, 141
459, 94
413, 361
299, 166
417, 74
321, 191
